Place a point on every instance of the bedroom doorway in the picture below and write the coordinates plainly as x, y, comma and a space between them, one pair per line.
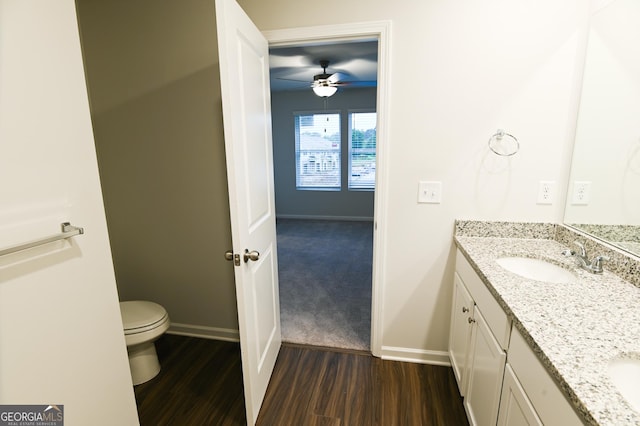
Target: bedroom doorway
311, 237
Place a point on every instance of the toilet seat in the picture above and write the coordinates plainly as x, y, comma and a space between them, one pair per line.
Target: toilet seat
140, 316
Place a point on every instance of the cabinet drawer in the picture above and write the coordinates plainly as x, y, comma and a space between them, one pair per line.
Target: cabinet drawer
549, 402
497, 320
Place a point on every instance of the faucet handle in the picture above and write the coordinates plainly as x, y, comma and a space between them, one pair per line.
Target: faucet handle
596, 264
583, 251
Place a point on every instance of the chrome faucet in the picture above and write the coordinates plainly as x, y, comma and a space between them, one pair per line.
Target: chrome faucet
594, 266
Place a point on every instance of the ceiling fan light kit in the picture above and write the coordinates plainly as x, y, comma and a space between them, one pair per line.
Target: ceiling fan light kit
323, 85
323, 89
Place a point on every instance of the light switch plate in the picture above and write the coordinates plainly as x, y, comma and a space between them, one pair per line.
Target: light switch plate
429, 192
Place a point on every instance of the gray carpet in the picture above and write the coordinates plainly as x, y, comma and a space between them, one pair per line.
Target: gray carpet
325, 282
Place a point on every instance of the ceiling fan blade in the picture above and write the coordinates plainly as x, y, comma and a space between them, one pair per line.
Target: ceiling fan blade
371, 83
335, 77
292, 79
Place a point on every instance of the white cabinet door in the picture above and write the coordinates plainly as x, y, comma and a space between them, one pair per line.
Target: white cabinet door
550, 403
486, 370
515, 407
460, 332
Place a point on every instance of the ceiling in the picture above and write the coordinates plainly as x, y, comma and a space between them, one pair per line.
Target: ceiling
293, 68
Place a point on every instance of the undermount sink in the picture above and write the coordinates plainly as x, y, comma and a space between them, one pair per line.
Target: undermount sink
536, 269
625, 374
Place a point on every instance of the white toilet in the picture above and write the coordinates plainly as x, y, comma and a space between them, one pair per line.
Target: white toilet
144, 322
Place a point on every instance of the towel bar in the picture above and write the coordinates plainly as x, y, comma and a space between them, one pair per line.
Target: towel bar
68, 231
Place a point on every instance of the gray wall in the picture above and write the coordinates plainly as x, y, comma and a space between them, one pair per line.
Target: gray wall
290, 202
153, 78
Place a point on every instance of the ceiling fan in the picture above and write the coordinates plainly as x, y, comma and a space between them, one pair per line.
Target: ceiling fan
325, 85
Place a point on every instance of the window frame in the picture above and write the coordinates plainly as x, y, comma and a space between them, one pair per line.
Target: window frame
296, 132
350, 112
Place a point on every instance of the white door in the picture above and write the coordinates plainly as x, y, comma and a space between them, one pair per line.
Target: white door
244, 77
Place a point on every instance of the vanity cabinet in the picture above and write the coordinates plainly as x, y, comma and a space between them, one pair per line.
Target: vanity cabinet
501, 379
478, 337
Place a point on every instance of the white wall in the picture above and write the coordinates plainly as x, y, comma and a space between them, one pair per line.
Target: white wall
290, 202
607, 150
61, 338
459, 70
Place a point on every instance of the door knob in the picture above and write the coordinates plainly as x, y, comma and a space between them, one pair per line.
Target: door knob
251, 255
231, 257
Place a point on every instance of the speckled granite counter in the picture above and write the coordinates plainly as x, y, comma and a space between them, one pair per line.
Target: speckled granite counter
575, 328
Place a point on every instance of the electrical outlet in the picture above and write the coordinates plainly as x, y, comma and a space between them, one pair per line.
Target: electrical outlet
429, 192
581, 193
546, 192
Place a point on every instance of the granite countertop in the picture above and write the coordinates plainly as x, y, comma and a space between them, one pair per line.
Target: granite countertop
575, 329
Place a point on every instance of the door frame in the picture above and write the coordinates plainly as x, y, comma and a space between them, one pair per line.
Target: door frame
380, 31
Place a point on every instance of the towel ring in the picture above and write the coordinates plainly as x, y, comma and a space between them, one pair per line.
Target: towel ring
504, 144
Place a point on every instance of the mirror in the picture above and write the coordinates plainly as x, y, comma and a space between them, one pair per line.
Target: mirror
603, 196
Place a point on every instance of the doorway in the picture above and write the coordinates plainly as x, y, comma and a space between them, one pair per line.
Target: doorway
324, 269
378, 31
324, 173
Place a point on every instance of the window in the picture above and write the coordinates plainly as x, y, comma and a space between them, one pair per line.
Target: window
362, 150
317, 151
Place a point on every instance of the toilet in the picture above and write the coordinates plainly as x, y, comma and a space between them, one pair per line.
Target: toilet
144, 322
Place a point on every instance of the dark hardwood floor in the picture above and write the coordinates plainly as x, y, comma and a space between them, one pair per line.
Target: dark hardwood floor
324, 387
201, 384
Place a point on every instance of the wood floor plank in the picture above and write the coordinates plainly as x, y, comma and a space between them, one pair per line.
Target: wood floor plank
396, 394
328, 398
316, 420
360, 405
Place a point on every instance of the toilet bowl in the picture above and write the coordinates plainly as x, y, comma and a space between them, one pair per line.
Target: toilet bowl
144, 322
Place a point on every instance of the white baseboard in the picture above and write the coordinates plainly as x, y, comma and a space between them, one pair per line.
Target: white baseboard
419, 356
214, 333
315, 217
